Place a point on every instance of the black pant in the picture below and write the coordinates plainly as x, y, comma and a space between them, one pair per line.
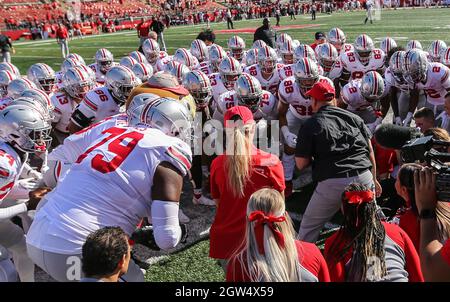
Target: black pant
278, 19
313, 15
229, 22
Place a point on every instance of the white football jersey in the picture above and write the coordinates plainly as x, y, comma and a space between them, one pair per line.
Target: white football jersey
96, 105
63, 156
271, 84
4, 102
390, 81
437, 84
286, 71
205, 68
351, 63
299, 104
346, 47
335, 71
110, 184
267, 108
64, 106
351, 95
58, 81
10, 169
217, 87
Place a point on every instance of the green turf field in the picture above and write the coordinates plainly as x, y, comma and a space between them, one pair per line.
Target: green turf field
424, 25
193, 263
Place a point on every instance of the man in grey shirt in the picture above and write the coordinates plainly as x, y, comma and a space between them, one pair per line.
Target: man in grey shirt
5, 48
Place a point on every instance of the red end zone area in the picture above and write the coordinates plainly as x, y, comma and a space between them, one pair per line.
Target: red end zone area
251, 30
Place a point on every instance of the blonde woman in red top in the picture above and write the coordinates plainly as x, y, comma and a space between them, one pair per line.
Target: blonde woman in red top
235, 176
270, 252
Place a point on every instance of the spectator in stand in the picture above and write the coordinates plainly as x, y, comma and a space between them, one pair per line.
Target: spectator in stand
265, 33
229, 19
106, 255
62, 36
235, 176
424, 119
5, 48
158, 27
320, 39
434, 255
367, 249
269, 252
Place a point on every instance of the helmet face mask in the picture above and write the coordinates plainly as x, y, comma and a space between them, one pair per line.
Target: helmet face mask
230, 79
105, 66
364, 56
237, 53
251, 102
47, 84
268, 66
306, 84
288, 58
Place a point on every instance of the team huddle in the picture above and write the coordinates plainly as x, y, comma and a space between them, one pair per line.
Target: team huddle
108, 144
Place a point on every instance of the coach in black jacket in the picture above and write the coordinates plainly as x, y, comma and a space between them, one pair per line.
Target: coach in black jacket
265, 33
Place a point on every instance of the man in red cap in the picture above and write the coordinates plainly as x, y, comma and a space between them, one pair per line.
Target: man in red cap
339, 143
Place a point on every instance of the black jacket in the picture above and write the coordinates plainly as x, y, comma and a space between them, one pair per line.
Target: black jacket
157, 27
266, 34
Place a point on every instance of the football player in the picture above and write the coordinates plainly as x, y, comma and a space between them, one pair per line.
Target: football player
222, 81
142, 71
200, 51
445, 57
23, 130
199, 87
5, 78
435, 50
236, 47
104, 61
138, 57
177, 69
336, 37
11, 68
128, 62
432, 78
183, 56
153, 155
328, 59
360, 96
215, 55
104, 101
154, 55
266, 71
77, 82
293, 110
17, 86
43, 76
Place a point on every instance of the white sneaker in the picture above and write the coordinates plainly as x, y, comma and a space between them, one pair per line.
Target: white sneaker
182, 217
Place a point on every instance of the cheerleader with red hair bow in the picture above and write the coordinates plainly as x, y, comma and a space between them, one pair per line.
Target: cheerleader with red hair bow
269, 252
367, 249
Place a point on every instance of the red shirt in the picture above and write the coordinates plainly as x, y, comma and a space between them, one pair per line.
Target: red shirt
403, 249
309, 257
228, 228
445, 251
61, 33
384, 158
143, 29
410, 223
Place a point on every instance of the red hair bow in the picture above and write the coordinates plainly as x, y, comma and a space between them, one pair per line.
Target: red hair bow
260, 220
359, 197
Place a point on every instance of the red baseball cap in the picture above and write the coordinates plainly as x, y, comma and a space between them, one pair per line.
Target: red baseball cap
242, 112
321, 91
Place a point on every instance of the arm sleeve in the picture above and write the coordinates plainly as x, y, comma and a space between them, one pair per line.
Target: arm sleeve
278, 177
85, 112
10, 212
305, 139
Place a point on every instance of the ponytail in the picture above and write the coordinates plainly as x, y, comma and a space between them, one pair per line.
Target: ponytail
239, 159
